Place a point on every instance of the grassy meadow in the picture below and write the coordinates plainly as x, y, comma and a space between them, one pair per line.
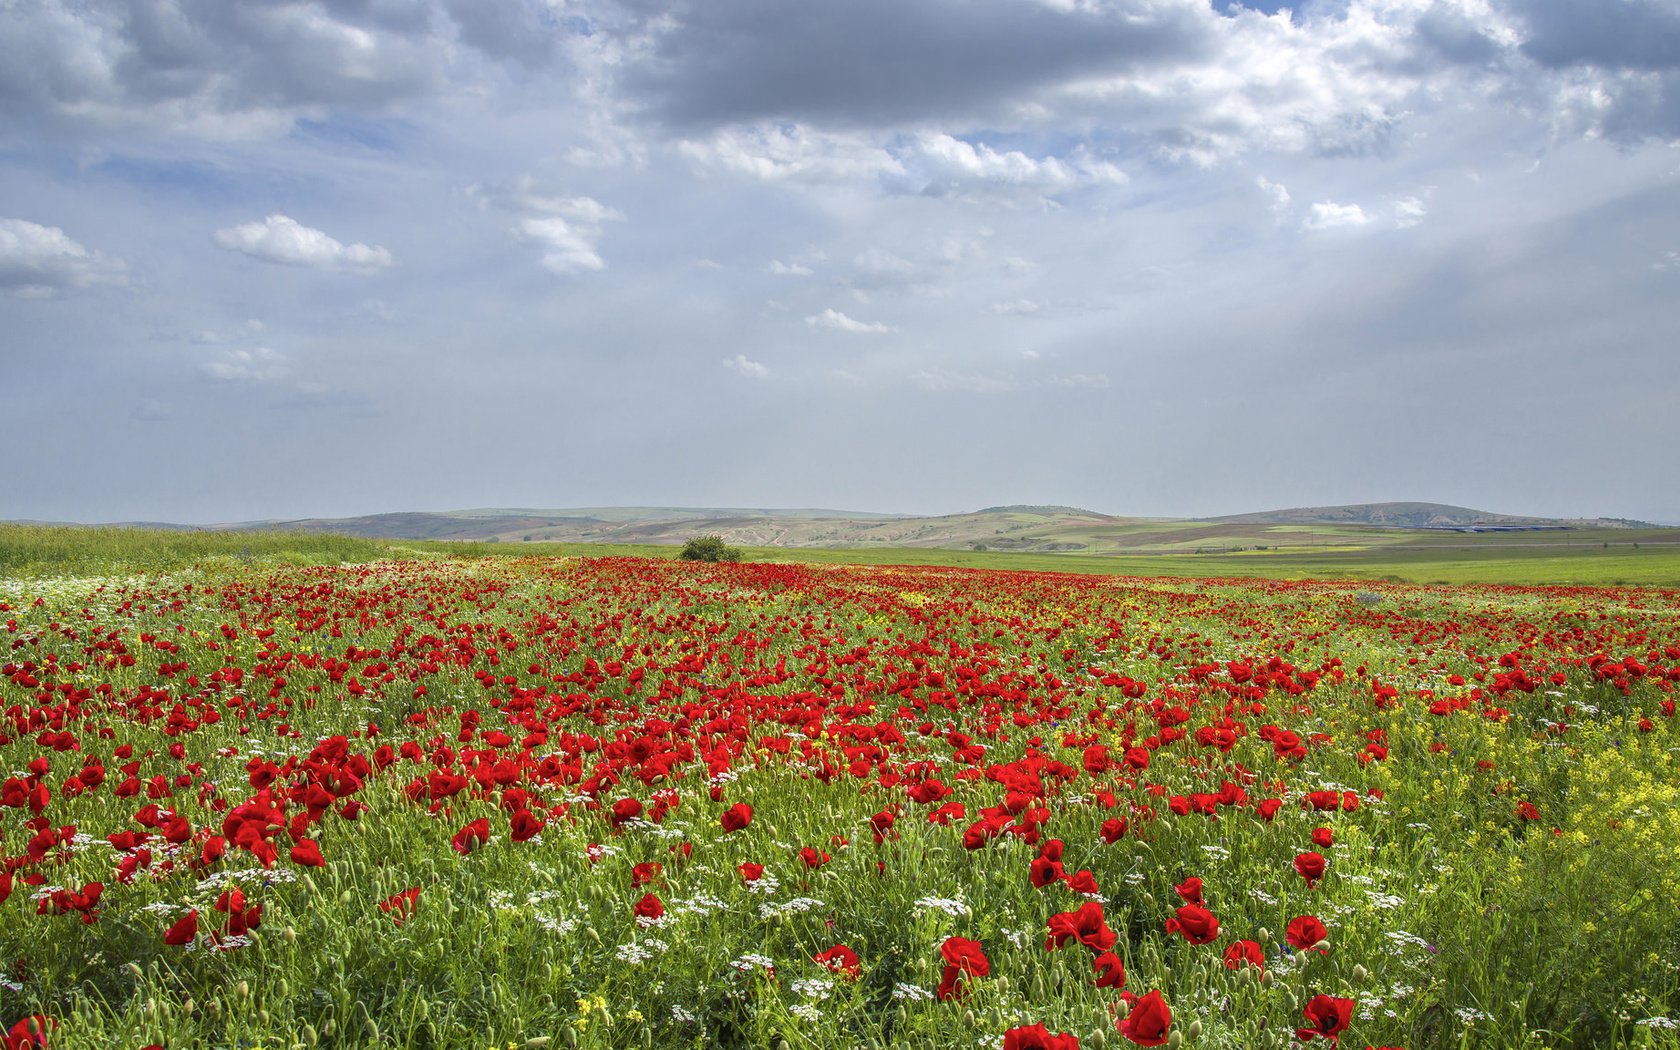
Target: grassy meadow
286, 791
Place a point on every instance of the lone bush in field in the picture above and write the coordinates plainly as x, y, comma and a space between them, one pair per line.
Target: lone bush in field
708, 548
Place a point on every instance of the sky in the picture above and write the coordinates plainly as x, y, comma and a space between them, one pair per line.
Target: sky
297, 258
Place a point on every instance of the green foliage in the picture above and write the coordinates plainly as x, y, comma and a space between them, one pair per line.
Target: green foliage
709, 548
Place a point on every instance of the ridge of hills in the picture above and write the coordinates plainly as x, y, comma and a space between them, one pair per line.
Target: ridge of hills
1016, 527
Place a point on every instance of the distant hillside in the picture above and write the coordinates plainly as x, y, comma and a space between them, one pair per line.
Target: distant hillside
1412, 516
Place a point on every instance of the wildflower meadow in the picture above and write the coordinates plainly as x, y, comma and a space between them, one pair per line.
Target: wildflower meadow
619, 802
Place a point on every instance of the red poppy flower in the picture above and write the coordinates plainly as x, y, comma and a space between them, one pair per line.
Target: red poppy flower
1196, 923
1146, 1023
1323, 837
1045, 872
841, 959
1037, 1037
1085, 925
750, 872
524, 825
736, 817
1310, 866
1327, 1018
1245, 953
1305, 931
813, 858
1190, 890
1111, 972
649, 908
30, 1032
400, 906
307, 853
183, 931
643, 874
966, 955
475, 834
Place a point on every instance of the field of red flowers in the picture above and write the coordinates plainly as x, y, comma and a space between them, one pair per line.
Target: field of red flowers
617, 802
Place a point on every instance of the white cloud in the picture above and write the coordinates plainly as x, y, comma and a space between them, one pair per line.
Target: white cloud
281, 239
944, 163
261, 365
742, 365
834, 321
38, 261
567, 228
1089, 381
1276, 193
1328, 215
1409, 211
1019, 308
791, 154
782, 269
941, 380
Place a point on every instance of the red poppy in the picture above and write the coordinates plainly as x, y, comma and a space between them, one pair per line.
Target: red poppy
1196, 923
1147, 1021
650, 908
643, 874
183, 931
1037, 1037
750, 872
841, 959
1310, 866
524, 825
1111, 972
1085, 925
1306, 931
736, 817
1327, 1018
1190, 890
813, 858
307, 853
475, 834
1245, 953
962, 957
30, 1032
1323, 837
400, 906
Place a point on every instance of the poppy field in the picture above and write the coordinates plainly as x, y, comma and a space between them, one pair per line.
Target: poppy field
620, 802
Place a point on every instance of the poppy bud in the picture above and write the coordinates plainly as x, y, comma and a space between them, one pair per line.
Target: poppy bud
536, 1042
187, 1005
1265, 936
134, 968
310, 1036
1360, 973
1121, 1009
1322, 946
1175, 1041
1195, 1030
242, 990
1096, 1040
289, 935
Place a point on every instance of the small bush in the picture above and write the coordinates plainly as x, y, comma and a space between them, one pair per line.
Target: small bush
708, 548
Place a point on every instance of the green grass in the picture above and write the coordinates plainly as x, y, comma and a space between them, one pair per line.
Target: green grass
42, 550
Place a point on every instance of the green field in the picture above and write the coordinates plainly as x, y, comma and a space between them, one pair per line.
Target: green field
1584, 557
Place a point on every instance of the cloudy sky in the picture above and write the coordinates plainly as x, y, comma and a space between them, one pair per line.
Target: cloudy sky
1169, 257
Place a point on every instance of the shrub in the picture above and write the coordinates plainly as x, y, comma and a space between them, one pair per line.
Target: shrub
708, 548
